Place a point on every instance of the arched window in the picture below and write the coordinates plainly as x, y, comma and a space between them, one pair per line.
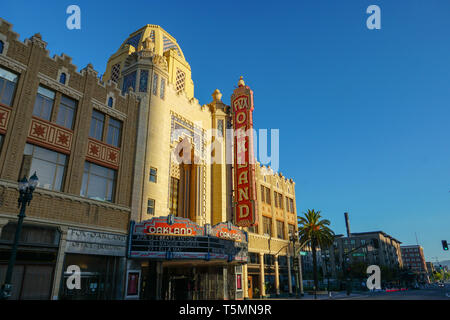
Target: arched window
110, 102
1, 46
62, 78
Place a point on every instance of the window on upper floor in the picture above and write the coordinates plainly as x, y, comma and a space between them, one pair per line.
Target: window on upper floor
155, 84
44, 103
8, 82
275, 198
50, 166
115, 72
143, 81
253, 229
280, 200
129, 81
280, 230
1, 142
153, 175
267, 226
66, 112
262, 193
62, 78
2, 45
162, 90
151, 206
268, 199
180, 82
97, 124
98, 182
114, 132
110, 102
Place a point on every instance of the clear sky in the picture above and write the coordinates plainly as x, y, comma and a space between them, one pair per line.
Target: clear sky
363, 114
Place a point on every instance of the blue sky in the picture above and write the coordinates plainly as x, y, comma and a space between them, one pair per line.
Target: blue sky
363, 114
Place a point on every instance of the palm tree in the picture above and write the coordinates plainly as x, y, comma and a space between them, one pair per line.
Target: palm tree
313, 229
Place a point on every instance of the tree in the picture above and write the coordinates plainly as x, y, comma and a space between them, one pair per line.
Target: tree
315, 230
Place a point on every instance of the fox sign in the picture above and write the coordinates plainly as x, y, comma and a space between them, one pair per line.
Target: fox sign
244, 163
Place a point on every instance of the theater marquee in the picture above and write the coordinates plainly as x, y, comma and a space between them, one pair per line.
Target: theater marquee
244, 163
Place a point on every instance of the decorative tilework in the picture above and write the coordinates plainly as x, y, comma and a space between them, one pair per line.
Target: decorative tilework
51, 136
134, 40
103, 154
4, 117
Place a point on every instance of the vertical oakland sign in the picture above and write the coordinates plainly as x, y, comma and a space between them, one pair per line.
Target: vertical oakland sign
244, 162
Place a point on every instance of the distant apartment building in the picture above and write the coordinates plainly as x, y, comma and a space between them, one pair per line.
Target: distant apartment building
414, 260
344, 251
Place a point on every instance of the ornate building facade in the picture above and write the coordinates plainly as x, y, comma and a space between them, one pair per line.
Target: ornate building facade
78, 135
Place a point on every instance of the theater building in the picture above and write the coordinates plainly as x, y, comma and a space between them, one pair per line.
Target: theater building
78, 135
184, 177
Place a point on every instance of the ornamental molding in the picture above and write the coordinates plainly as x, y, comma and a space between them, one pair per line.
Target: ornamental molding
12, 64
65, 196
108, 110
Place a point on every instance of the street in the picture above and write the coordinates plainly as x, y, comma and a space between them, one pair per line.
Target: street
422, 294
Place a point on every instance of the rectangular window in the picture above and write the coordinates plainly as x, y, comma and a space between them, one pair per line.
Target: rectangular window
114, 132
291, 205
174, 185
151, 206
49, 166
253, 229
268, 200
66, 112
262, 193
98, 182
162, 90
275, 198
143, 80
267, 225
44, 103
280, 230
8, 82
97, 123
280, 200
1, 142
129, 81
155, 84
153, 175
287, 205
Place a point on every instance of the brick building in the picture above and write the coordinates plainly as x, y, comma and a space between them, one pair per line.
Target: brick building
78, 135
414, 259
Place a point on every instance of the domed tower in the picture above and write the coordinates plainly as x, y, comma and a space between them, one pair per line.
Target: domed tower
172, 125
160, 43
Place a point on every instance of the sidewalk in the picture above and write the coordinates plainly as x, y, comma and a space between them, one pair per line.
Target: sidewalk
335, 295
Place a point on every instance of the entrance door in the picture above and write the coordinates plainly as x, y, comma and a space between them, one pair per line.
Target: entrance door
250, 287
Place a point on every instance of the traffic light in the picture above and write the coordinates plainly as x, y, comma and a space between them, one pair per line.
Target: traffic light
375, 243
445, 245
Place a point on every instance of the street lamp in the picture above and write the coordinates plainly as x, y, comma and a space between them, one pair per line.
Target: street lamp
26, 188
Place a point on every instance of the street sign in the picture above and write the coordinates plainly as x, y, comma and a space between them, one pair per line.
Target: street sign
358, 254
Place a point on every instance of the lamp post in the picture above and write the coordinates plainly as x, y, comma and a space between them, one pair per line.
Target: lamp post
293, 239
26, 188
